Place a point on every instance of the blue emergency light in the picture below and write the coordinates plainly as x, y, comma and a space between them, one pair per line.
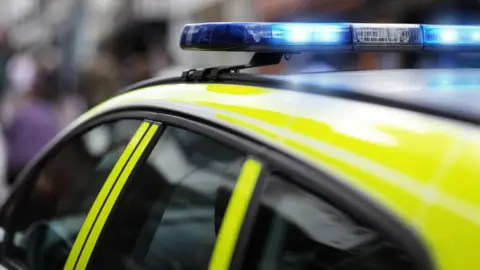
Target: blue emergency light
297, 37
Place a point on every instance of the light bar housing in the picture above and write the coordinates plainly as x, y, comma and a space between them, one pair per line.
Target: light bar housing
297, 37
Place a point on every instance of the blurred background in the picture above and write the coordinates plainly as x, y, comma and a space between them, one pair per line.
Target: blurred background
58, 58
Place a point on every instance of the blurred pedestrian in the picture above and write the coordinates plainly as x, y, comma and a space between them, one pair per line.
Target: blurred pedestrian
140, 48
20, 74
4, 189
33, 121
99, 80
5, 54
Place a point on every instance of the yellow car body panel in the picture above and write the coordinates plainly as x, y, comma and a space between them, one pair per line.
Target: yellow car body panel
424, 169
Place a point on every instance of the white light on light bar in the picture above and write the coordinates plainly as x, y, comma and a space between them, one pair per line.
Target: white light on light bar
382, 35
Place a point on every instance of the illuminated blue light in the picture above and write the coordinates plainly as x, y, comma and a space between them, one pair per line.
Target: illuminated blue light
476, 35
448, 35
451, 35
301, 35
314, 34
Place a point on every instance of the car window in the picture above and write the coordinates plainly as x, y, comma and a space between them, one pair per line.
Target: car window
295, 229
166, 217
45, 227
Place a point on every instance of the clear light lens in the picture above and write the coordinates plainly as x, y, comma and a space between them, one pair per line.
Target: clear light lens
387, 34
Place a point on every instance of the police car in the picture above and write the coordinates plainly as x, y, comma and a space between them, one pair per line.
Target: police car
218, 169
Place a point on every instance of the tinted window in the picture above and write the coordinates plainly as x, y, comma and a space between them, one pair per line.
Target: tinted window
45, 227
166, 217
295, 229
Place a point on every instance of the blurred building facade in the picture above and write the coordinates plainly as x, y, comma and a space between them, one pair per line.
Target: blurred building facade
76, 28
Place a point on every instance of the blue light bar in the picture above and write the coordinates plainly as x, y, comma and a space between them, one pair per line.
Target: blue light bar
297, 37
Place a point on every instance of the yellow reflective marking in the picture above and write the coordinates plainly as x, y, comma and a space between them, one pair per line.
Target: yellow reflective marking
102, 195
112, 198
228, 89
237, 207
452, 223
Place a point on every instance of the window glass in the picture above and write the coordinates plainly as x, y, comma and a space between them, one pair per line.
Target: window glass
297, 230
166, 217
45, 227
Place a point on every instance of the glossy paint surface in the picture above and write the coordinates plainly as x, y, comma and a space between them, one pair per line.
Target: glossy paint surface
425, 170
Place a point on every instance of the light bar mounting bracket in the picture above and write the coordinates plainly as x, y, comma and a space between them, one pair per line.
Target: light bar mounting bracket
259, 59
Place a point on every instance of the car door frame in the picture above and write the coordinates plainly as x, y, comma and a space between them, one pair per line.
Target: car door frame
250, 151
25, 181
333, 189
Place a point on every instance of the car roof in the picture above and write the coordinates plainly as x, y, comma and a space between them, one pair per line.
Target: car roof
455, 91
449, 93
